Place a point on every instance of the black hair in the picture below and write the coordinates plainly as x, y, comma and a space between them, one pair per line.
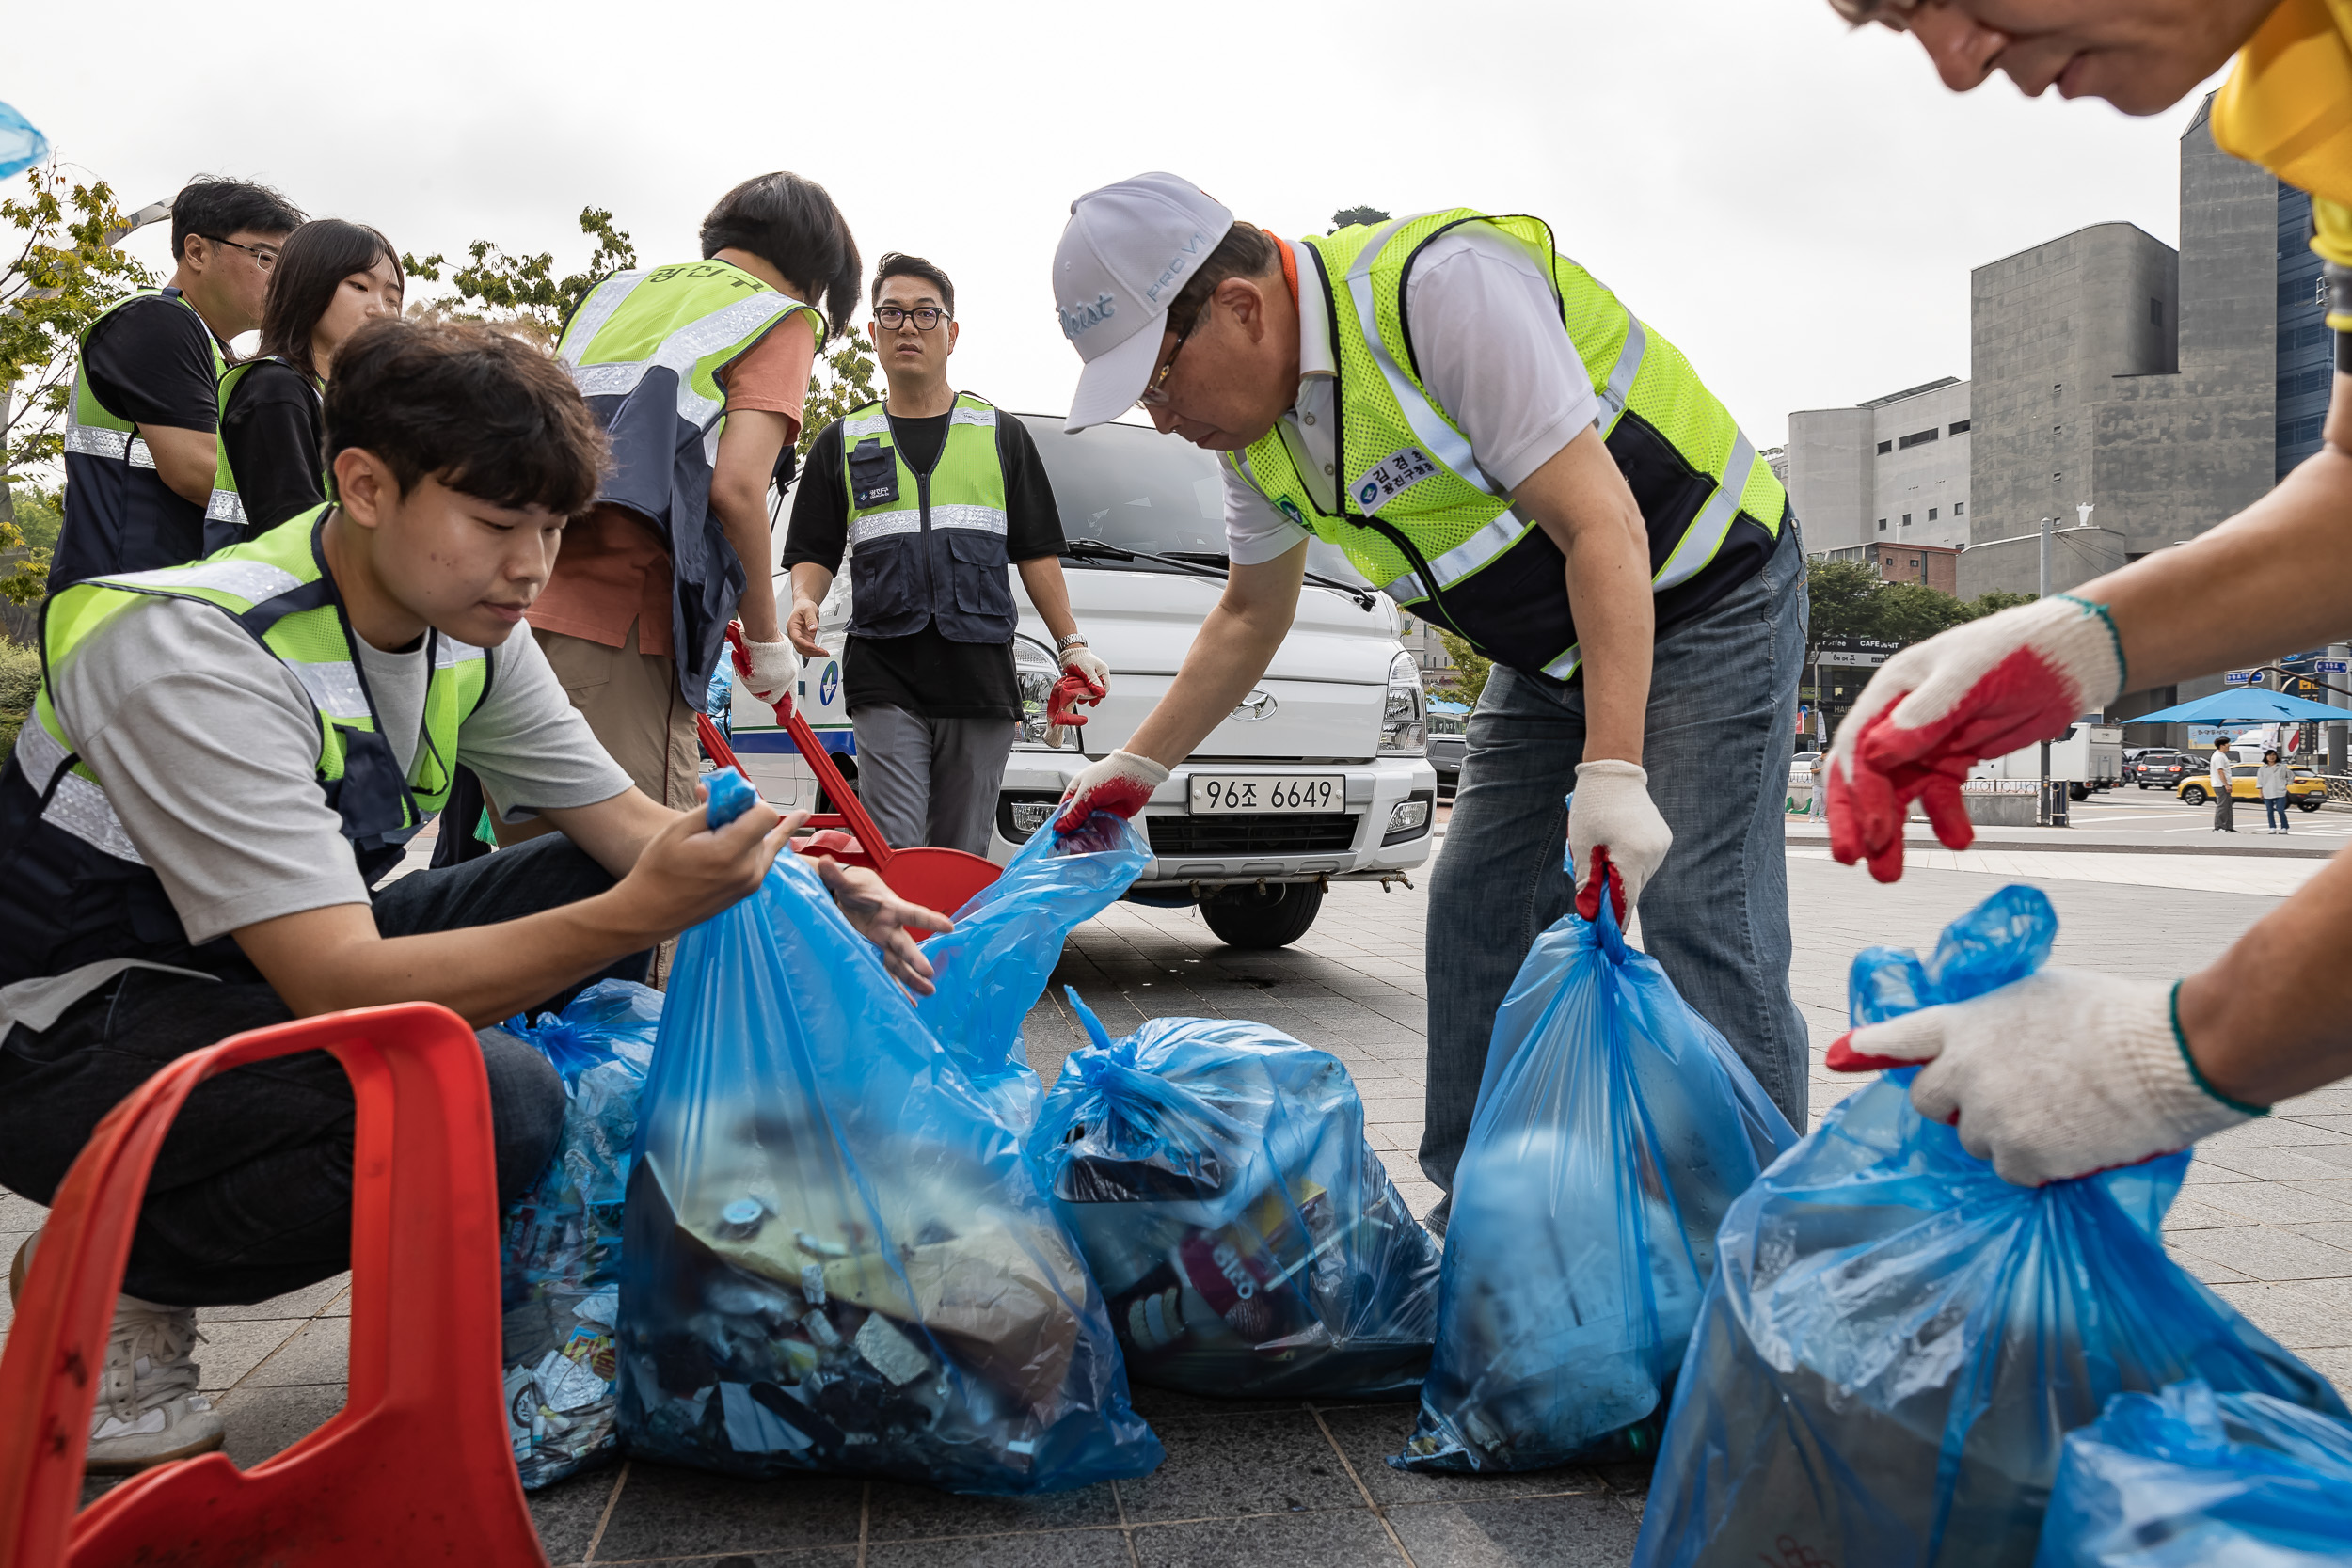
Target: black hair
216, 207
1246, 252
479, 410
897, 263
311, 265
792, 224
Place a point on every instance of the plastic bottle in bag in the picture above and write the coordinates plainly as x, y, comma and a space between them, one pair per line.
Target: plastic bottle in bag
2189, 1476
1247, 1236
560, 1260
836, 1258
1897, 1340
990, 970
1614, 1128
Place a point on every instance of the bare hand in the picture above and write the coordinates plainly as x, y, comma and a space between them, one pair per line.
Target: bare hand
687, 873
880, 916
801, 628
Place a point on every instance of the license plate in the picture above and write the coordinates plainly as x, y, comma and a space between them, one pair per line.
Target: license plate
1240, 794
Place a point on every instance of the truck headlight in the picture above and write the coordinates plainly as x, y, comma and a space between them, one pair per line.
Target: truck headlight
1034, 672
1405, 721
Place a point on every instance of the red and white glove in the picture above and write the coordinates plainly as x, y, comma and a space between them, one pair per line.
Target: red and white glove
2057, 1075
769, 670
1086, 680
1612, 809
1982, 689
1119, 783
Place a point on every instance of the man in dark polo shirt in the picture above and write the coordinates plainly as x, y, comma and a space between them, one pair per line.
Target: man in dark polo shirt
140, 430
935, 493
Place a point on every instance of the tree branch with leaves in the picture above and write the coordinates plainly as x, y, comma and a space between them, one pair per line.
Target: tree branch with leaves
521, 293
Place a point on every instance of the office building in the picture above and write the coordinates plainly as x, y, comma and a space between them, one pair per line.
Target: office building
1894, 471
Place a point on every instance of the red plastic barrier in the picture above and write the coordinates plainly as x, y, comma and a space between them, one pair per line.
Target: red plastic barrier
417, 1466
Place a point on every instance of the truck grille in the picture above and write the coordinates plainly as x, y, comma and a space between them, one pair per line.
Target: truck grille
1271, 834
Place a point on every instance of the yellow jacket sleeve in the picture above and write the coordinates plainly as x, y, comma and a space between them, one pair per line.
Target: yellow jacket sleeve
2288, 107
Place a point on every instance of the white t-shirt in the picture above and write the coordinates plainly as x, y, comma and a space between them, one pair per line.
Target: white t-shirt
1490, 347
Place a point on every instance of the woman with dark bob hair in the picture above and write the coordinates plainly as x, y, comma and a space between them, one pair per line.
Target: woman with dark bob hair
331, 277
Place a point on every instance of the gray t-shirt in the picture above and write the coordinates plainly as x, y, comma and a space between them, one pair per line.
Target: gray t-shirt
209, 748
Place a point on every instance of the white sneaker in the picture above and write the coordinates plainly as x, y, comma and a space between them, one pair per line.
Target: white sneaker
148, 1410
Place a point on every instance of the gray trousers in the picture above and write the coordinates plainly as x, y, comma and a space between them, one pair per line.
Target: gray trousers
1723, 707
931, 780
2224, 809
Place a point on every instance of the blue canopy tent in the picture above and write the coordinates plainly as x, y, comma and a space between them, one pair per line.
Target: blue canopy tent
2245, 705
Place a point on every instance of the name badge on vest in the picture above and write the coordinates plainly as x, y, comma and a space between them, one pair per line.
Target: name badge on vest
873, 473
1399, 470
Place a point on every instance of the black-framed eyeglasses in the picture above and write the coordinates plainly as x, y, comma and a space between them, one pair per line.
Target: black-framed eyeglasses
264, 256
925, 317
1155, 391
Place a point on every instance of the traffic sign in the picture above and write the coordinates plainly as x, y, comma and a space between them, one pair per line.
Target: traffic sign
2239, 678
2332, 667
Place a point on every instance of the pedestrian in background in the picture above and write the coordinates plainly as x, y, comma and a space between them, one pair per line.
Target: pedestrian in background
2270, 782
2224, 804
139, 449
1817, 808
330, 278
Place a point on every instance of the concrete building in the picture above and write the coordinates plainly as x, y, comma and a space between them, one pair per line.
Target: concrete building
1894, 471
1927, 564
2110, 371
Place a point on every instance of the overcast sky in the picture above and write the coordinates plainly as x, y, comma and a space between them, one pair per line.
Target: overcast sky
1795, 205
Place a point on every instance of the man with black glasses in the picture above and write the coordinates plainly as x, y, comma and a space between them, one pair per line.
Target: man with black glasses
139, 434
934, 494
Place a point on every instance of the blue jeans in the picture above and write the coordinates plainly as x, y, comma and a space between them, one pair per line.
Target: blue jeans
1721, 725
2275, 811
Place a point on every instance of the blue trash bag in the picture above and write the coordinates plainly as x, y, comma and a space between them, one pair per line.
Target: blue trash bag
1898, 1341
835, 1256
2188, 1477
560, 1264
1615, 1126
990, 970
1217, 1174
21, 146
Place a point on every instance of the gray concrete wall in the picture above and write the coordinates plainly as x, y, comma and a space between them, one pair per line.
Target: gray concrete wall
1930, 477
1830, 476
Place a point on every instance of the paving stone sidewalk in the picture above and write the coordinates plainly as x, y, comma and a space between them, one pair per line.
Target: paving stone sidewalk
2267, 1220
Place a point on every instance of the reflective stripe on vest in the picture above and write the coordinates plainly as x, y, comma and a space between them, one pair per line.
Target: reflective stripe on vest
914, 567
227, 507
734, 326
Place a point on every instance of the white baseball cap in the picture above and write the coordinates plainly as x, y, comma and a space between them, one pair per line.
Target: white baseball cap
1126, 255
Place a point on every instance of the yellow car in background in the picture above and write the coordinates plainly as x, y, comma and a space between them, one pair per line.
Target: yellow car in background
2306, 788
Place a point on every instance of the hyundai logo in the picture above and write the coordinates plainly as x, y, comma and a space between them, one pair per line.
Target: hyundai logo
1258, 704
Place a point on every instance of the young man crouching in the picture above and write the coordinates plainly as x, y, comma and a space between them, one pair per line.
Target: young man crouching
223, 761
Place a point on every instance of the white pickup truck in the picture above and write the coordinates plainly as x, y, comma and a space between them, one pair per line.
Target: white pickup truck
1318, 776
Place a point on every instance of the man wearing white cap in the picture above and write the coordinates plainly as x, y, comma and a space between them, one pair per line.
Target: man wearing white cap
1504, 447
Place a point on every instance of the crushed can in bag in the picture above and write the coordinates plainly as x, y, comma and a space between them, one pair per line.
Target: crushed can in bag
2191, 1477
836, 1258
1217, 1176
990, 970
560, 1259
1615, 1126
1898, 1341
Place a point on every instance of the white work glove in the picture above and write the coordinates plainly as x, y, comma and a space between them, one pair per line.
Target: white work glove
775, 668
1611, 810
1982, 689
1085, 681
2057, 1075
1083, 662
1119, 783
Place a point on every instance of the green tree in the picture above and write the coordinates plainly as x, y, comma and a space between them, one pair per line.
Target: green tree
1470, 668
1348, 216
64, 272
1992, 602
1913, 612
843, 379
1843, 596
521, 293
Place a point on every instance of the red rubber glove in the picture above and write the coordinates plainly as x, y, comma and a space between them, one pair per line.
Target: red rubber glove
1978, 690
1119, 783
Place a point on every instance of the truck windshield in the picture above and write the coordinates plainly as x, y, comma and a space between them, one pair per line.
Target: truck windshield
1139, 490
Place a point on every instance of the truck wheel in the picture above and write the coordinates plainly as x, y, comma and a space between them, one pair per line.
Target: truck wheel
2077, 792
2195, 795
1263, 917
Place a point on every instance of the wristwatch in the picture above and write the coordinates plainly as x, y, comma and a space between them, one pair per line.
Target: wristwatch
1075, 639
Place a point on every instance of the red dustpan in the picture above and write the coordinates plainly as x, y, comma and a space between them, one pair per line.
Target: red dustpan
937, 879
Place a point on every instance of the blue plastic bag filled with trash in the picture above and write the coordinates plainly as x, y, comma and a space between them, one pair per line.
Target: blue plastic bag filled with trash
1217, 1175
835, 1256
1615, 1126
1898, 1341
990, 970
560, 1262
2188, 1477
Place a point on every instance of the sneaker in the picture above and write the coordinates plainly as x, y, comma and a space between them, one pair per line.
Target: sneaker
148, 1410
